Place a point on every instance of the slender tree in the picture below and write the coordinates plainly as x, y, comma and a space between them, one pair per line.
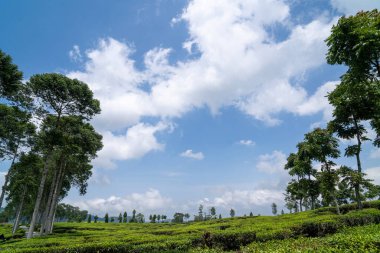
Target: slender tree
16, 133
324, 146
133, 216
274, 208
60, 96
106, 218
89, 218
213, 212
125, 217
23, 183
355, 42
232, 213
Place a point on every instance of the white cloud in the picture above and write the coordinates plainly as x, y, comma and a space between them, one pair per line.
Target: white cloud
244, 198
375, 153
190, 154
247, 142
138, 140
373, 173
239, 65
272, 163
351, 7
99, 178
75, 54
319, 102
151, 200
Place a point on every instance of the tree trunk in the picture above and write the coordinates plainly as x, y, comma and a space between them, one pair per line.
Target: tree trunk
332, 191
18, 214
357, 185
6, 180
54, 201
39, 198
48, 204
336, 205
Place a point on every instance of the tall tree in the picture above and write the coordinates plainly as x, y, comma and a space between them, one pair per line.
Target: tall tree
323, 147
355, 42
106, 218
232, 213
213, 212
274, 208
302, 187
23, 183
16, 134
125, 217
354, 103
60, 96
76, 144
133, 216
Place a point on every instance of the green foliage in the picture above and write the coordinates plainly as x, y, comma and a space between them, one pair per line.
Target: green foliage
274, 208
10, 77
71, 213
61, 95
355, 42
125, 217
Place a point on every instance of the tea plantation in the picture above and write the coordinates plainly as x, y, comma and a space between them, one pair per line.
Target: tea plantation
319, 230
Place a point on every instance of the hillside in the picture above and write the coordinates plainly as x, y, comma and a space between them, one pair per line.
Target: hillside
318, 230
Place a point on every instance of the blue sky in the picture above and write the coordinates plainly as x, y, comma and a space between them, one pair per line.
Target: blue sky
202, 101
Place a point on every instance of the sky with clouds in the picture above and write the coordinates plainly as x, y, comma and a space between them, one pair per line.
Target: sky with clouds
201, 101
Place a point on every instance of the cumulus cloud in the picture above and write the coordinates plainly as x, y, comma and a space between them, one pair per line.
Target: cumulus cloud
272, 163
239, 64
151, 200
374, 173
375, 153
351, 7
138, 140
247, 142
318, 102
190, 154
99, 178
244, 198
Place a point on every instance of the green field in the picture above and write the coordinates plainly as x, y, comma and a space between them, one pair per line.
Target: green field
319, 230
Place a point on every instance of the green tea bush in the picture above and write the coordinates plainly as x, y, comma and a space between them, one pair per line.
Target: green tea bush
309, 231
225, 241
349, 207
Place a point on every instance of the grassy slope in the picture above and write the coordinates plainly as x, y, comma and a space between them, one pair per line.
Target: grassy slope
285, 233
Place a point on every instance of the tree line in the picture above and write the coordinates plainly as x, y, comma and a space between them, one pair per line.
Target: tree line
355, 43
46, 137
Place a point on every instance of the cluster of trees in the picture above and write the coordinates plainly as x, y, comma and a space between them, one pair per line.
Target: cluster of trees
46, 135
136, 218
158, 217
354, 42
69, 213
